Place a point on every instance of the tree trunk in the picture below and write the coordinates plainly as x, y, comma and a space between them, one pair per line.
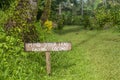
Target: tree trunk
60, 9
82, 8
46, 12
104, 2
23, 18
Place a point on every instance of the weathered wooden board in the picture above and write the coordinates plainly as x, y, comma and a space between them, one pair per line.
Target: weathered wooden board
61, 46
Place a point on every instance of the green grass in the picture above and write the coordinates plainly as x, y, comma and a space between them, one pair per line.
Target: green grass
95, 55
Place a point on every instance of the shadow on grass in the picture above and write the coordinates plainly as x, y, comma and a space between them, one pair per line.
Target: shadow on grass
70, 30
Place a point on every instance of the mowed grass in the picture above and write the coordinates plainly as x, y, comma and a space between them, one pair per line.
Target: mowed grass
95, 55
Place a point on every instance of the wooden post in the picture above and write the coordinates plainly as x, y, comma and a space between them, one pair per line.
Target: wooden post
48, 65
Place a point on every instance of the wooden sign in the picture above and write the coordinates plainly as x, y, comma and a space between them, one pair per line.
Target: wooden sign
47, 47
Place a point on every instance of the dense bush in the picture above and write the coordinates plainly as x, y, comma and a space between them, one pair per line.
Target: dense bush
48, 25
7, 13
86, 22
103, 16
77, 20
93, 23
60, 22
5, 4
15, 63
67, 16
115, 12
103, 19
70, 19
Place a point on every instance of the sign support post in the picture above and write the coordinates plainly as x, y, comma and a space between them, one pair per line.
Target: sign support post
48, 63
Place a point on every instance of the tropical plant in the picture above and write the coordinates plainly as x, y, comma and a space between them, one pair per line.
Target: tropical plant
48, 24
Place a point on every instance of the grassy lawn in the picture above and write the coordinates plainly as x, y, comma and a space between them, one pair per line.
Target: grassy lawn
95, 55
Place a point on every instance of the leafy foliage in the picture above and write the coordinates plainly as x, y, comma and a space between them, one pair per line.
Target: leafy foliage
60, 23
103, 16
48, 25
4, 4
15, 63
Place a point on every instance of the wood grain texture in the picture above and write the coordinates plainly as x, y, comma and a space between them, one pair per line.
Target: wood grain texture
48, 63
61, 46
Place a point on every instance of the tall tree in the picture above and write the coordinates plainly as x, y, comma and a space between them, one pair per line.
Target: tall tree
104, 2
82, 7
23, 18
46, 12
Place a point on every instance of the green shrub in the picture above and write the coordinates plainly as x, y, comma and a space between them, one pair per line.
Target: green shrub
86, 22
7, 13
93, 23
15, 63
103, 16
115, 12
41, 32
5, 4
73, 20
60, 23
77, 20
